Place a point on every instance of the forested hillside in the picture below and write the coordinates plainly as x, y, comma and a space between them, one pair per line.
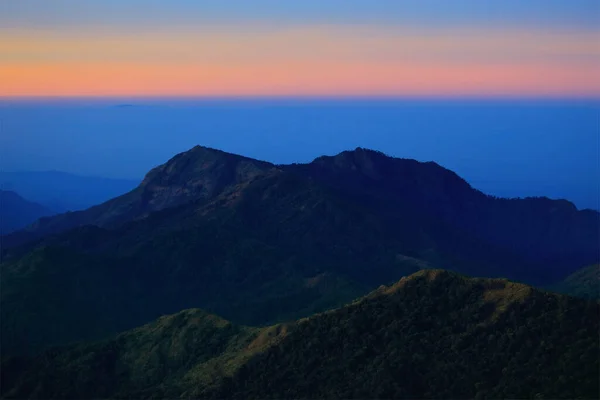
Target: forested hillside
259, 244
434, 334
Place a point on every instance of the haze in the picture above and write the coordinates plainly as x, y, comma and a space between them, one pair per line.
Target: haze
507, 148
460, 81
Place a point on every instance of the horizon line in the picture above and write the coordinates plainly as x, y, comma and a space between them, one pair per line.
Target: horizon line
545, 97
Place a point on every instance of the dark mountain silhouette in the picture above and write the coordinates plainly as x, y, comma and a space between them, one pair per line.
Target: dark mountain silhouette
434, 334
199, 174
552, 232
61, 191
258, 243
540, 229
16, 212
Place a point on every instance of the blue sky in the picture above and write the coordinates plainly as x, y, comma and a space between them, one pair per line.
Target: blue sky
507, 148
60, 14
136, 49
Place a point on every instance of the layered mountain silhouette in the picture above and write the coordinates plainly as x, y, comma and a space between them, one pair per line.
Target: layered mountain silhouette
61, 191
16, 212
258, 243
434, 334
539, 229
199, 174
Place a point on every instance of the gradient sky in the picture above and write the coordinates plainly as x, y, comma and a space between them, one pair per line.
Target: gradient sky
433, 48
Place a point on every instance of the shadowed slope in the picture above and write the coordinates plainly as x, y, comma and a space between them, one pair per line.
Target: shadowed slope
583, 283
61, 191
259, 244
199, 174
256, 256
16, 212
550, 234
434, 334
190, 346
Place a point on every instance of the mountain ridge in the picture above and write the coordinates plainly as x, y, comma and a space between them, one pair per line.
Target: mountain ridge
428, 324
584, 283
17, 212
153, 193
63, 191
159, 189
258, 244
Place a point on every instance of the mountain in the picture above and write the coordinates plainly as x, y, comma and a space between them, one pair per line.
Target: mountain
196, 175
582, 283
434, 334
539, 230
61, 191
16, 212
259, 244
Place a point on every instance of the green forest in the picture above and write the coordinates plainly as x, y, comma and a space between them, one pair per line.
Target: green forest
434, 334
354, 276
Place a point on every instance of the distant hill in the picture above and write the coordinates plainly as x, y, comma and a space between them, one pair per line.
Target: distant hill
257, 243
16, 212
582, 283
61, 191
434, 334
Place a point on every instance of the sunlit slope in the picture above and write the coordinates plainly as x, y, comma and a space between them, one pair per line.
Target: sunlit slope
433, 334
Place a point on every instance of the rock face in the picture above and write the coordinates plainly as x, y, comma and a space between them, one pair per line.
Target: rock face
198, 174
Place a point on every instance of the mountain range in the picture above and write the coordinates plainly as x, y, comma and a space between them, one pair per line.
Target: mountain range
260, 245
16, 212
61, 191
433, 334
409, 195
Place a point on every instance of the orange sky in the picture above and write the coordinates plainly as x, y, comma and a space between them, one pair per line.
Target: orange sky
305, 61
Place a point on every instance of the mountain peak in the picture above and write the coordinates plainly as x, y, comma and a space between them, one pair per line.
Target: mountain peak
494, 289
193, 354
359, 152
427, 208
401, 177
188, 165
362, 158
199, 173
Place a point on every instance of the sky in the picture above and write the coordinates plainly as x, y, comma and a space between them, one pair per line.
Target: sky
510, 148
528, 71
425, 48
